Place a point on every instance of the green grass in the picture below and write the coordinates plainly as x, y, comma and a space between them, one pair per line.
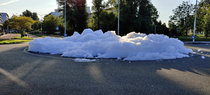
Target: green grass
197, 38
13, 41
23, 38
39, 35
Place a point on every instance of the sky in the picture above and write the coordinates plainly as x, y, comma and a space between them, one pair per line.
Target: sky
43, 7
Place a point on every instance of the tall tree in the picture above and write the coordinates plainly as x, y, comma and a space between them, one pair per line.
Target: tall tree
50, 23
207, 21
27, 13
76, 14
21, 22
182, 14
97, 8
34, 16
136, 15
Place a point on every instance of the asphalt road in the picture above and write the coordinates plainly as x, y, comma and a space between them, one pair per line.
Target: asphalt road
26, 74
8, 36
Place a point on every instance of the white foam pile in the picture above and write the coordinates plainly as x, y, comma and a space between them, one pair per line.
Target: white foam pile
84, 60
96, 44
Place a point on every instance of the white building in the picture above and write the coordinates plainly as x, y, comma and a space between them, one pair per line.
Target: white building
0, 21
56, 13
89, 11
4, 17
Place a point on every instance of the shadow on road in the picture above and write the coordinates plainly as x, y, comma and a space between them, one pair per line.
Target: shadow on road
44, 75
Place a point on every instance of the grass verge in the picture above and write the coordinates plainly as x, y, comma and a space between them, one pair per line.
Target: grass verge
197, 38
39, 35
23, 38
13, 41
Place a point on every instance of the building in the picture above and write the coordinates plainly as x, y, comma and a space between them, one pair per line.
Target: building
89, 11
56, 13
0, 21
4, 16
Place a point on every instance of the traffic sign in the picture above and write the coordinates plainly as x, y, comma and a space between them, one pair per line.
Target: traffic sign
65, 34
193, 37
57, 28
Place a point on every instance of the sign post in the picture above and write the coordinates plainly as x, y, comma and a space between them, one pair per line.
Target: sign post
65, 35
57, 28
193, 37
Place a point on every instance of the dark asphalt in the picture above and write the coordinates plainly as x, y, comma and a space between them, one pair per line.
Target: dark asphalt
25, 74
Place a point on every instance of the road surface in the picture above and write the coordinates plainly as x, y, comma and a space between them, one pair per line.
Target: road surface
28, 74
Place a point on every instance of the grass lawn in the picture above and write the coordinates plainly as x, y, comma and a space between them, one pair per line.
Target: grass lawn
13, 41
39, 35
16, 40
23, 38
197, 38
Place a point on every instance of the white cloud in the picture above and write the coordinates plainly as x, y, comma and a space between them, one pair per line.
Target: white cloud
8, 2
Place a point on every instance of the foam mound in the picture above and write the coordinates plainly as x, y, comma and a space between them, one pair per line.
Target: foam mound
96, 44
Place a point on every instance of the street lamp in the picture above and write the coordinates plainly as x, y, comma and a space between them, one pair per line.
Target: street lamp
118, 2
65, 18
41, 21
195, 22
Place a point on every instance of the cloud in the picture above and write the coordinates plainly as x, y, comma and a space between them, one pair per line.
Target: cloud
8, 2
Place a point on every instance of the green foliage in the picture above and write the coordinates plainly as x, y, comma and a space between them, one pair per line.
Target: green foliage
137, 15
207, 22
76, 15
28, 13
39, 35
162, 29
50, 23
5, 24
97, 8
21, 22
23, 38
36, 25
182, 17
197, 38
107, 21
13, 41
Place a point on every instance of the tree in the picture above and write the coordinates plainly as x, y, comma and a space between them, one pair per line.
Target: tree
27, 13
207, 22
97, 8
6, 24
172, 28
50, 23
36, 25
107, 21
182, 14
21, 22
137, 15
76, 15
34, 16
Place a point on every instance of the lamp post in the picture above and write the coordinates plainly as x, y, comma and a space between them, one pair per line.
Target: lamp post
61, 1
195, 21
118, 2
65, 20
41, 21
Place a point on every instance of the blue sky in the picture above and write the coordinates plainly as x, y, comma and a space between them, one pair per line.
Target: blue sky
42, 7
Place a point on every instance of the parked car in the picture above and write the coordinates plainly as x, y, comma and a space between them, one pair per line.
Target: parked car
57, 33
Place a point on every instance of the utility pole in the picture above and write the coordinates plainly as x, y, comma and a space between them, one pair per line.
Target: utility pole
118, 1
65, 20
195, 21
